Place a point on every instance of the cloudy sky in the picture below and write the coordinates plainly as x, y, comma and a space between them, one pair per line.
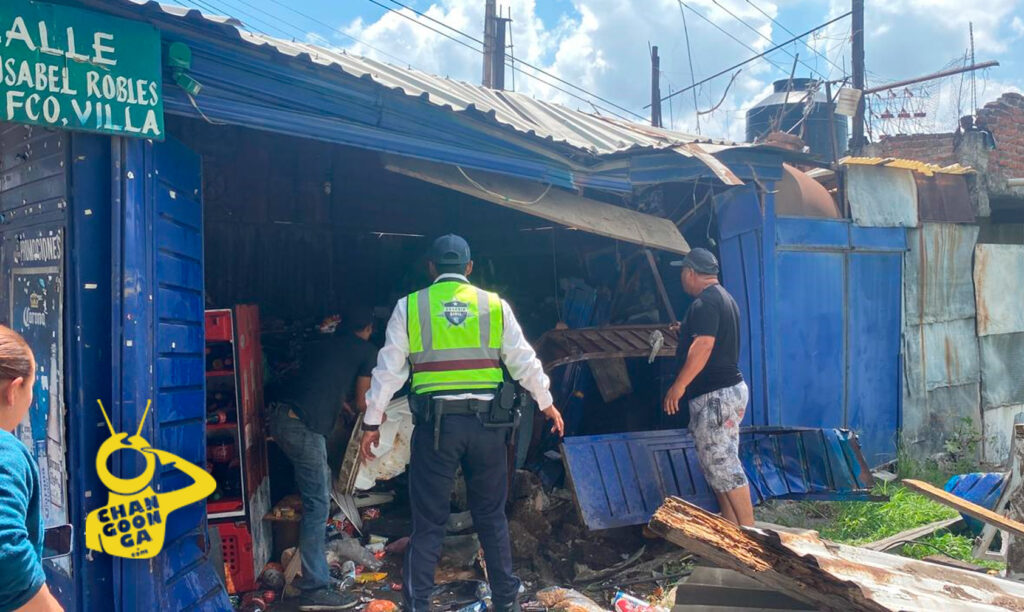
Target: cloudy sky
602, 47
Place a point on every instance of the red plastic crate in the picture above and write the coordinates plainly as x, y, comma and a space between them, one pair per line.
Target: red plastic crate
236, 544
218, 325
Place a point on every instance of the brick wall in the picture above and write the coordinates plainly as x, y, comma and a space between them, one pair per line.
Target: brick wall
1005, 119
932, 148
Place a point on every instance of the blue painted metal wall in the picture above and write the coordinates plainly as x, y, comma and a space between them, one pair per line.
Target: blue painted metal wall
821, 306
158, 323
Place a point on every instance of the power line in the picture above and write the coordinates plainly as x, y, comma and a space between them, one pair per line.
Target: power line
520, 61
727, 33
689, 57
791, 33
758, 32
759, 55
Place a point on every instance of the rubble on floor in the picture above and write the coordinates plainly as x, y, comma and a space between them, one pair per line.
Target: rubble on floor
827, 575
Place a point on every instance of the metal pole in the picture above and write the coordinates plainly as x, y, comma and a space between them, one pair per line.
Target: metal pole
489, 10
655, 87
931, 77
857, 141
498, 55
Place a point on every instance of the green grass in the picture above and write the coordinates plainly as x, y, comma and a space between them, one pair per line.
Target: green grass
862, 522
949, 544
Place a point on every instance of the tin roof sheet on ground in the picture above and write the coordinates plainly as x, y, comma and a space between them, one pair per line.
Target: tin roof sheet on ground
1002, 369
592, 132
882, 197
998, 279
938, 277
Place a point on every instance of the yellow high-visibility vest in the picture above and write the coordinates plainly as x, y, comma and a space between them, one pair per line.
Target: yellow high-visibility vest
454, 338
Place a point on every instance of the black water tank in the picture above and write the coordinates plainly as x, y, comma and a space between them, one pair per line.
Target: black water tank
764, 115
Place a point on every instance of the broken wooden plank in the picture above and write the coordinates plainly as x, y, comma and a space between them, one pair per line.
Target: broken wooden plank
911, 534
965, 507
827, 575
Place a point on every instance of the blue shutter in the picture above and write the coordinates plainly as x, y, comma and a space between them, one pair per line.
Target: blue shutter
159, 325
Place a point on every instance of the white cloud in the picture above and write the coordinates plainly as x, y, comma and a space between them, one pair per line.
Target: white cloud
602, 46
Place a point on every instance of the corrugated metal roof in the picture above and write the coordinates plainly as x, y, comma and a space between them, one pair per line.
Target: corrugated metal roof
596, 134
938, 274
882, 197
998, 277
906, 164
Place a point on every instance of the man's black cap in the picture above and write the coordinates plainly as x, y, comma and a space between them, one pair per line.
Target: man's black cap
702, 261
450, 249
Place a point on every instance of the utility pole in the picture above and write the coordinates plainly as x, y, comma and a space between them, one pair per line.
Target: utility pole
857, 142
655, 87
489, 46
500, 27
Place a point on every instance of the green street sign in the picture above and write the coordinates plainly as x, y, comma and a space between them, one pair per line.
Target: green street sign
79, 70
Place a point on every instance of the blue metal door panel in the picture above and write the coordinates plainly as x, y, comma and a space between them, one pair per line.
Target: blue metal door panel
805, 232
809, 310
875, 290
621, 479
161, 358
742, 277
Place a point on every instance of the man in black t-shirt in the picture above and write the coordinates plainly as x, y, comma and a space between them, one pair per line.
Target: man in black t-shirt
710, 380
303, 410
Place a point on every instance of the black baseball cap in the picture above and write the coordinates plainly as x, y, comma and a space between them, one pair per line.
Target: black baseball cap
702, 261
450, 249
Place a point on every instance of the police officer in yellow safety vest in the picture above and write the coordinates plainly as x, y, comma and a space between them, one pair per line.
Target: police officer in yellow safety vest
455, 338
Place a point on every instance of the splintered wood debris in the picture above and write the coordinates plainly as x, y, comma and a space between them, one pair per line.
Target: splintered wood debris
966, 507
828, 575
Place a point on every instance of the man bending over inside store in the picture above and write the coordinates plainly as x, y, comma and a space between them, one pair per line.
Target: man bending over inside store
303, 410
710, 379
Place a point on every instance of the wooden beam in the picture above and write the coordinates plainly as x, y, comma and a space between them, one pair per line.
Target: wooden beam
965, 507
911, 534
827, 575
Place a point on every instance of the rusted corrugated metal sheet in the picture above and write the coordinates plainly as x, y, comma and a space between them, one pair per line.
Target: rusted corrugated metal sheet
941, 355
938, 278
882, 197
997, 432
561, 346
943, 197
832, 576
930, 418
1002, 366
998, 279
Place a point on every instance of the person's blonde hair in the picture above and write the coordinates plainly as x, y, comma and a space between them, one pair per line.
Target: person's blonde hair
15, 355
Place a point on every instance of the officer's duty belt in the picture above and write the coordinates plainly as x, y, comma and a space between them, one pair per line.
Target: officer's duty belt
464, 406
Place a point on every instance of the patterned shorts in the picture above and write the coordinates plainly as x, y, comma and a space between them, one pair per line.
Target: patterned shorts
715, 423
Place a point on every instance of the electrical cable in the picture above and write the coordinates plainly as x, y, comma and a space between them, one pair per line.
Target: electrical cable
791, 33
758, 56
501, 196
689, 57
727, 33
768, 38
477, 40
724, 94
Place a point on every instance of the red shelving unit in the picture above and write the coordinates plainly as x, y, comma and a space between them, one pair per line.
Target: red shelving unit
237, 448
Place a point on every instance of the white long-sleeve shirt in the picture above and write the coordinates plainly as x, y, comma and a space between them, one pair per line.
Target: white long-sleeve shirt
393, 362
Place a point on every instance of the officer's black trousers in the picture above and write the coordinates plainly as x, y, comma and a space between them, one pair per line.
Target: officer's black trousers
482, 454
